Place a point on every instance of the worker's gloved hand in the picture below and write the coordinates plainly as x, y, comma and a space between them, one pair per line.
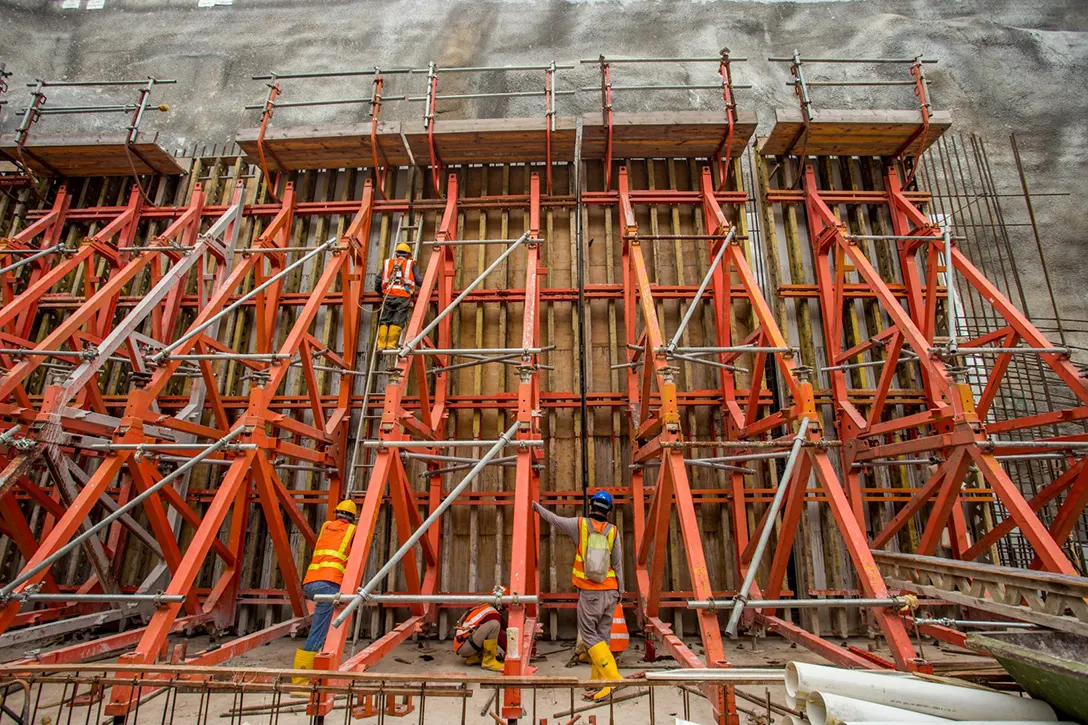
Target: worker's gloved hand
500, 655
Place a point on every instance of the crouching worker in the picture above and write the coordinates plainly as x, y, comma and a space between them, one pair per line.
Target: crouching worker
477, 635
325, 576
598, 578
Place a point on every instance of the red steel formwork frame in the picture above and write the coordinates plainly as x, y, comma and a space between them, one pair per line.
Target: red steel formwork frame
143, 431
389, 477
656, 435
952, 427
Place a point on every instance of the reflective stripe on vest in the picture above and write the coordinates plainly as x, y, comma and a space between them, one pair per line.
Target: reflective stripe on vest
331, 552
473, 619
578, 576
398, 277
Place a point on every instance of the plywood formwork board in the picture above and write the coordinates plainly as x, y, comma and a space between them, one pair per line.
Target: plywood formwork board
91, 155
853, 133
520, 140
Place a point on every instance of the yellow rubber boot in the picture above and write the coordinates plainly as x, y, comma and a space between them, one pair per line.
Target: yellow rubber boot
304, 660
393, 336
606, 664
473, 659
383, 337
595, 674
491, 659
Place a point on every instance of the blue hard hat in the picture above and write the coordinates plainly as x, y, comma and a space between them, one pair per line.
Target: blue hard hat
602, 498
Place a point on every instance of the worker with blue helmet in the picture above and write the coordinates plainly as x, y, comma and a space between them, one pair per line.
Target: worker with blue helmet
598, 578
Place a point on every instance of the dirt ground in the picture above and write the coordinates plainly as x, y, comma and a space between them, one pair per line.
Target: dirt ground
669, 703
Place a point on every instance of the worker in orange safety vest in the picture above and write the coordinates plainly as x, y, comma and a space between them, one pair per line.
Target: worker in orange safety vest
398, 284
477, 634
325, 576
598, 577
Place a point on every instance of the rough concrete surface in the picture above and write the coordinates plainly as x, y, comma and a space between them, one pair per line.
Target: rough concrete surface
1005, 65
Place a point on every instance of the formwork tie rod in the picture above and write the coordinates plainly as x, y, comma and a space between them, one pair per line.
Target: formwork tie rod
974, 623
166, 480
796, 603
731, 349
34, 256
991, 444
364, 591
941, 352
465, 351
765, 533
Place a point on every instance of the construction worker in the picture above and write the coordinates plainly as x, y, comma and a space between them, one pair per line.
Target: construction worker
325, 576
477, 635
398, 284
598, 577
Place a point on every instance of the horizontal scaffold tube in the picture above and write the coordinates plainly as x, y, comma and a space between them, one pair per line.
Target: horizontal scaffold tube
796, 603
379, 599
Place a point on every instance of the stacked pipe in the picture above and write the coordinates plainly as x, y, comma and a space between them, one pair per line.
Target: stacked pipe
835, 696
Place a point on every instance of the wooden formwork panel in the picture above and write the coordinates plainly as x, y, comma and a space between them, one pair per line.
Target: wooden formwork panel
853, 133
635, 135
91, 155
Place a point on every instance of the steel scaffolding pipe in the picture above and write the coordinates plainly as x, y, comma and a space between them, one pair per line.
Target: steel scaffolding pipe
135, 501
450, 444
765, 532
161, 356
364, 591
690, 312
373, 600
56, 249
411, 344
99, 598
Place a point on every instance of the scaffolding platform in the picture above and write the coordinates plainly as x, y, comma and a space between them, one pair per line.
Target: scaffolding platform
91, 155
853, 133
690, 134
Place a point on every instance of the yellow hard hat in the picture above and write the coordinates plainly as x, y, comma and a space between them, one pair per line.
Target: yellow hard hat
404, 248
348, 506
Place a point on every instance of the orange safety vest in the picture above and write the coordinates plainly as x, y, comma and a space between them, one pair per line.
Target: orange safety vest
330, 553
619, 638
578, 577
399, 277
472, 619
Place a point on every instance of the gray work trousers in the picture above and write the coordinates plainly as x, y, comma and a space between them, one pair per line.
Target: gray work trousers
486, 631
595, 610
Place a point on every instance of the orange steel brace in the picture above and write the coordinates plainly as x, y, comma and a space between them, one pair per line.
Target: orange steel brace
253, 466
960, 434
55, 414
390, 477
274, 91
815, 462
660, 427
525, 548
375, 148
726, 144
606, 114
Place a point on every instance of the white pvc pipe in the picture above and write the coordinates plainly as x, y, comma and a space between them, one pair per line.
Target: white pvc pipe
824, 708
963, 722
912, 693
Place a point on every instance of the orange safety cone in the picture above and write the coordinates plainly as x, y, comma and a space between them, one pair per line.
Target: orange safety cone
620, 638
